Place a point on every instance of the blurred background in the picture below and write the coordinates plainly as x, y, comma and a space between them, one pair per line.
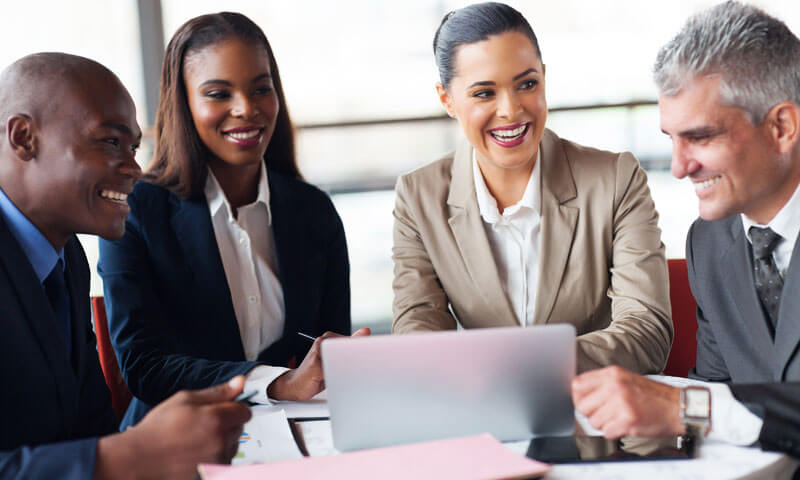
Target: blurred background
359, 78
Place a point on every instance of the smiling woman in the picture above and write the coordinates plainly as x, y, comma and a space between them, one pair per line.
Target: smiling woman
227, 254
519, 227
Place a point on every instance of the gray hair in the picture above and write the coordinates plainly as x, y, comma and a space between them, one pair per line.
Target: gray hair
755, 54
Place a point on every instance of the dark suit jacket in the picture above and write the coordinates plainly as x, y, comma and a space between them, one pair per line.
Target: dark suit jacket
170, 313
733, 340
52, 408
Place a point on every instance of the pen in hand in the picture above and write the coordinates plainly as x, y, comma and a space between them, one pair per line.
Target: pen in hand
307, 336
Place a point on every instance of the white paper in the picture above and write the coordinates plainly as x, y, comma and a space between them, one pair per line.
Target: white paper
266, 438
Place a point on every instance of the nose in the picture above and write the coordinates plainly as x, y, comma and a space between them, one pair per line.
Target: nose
130, 168
243, 107
683, 162
508, 105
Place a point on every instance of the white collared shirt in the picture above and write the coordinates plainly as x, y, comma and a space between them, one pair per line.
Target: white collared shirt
247, 247
786, 224
514, 237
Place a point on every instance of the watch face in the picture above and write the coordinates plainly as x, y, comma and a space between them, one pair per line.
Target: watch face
698, 403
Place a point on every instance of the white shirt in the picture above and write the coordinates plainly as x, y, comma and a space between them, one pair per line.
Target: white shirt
786, 224
514, 237
247, 248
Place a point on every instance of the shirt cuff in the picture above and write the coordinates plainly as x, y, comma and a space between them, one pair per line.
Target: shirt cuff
731, 421
259, 378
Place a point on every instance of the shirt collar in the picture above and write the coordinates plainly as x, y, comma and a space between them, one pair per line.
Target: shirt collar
40, 252
487, 205
218, 202
786, 223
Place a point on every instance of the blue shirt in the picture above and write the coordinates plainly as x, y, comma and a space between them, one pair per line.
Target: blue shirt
40, 252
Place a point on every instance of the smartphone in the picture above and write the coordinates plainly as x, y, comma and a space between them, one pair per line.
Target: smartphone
585, 448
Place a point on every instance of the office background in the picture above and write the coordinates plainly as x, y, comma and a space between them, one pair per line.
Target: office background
359, 79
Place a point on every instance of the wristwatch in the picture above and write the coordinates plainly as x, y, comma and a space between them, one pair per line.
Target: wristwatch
696, 411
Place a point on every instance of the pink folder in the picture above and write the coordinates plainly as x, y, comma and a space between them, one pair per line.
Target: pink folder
478, 457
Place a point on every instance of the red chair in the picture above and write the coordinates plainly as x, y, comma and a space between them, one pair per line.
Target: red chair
683, 354
120, 395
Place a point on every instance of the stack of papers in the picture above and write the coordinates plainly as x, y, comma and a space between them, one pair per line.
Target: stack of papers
478, 457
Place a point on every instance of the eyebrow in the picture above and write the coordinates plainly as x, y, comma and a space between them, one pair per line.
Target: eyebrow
121, 127
704, 131
225, 82
487, 83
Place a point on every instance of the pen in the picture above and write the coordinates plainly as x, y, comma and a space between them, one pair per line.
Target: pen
245, 396
307, 336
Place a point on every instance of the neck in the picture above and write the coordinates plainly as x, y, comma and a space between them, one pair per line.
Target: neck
238, 182
507, 185
39, 215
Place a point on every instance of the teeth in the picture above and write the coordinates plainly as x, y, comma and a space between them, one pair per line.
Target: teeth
112, 195
244, 135
508, 134
706, 183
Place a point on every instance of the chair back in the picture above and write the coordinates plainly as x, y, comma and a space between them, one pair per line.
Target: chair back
120, 395
683, 355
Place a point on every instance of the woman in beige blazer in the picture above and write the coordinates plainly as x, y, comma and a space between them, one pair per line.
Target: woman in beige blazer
519, 227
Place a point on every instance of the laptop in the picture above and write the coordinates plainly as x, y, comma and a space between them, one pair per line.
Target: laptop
511, 382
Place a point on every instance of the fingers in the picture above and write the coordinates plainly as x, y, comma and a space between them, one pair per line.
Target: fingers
362, 332
218, 393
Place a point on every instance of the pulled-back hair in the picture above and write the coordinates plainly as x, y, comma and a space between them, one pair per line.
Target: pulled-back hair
180, 158
471, 24
756, 56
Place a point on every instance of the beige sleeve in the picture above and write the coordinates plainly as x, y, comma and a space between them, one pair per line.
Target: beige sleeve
640, 333
420, 303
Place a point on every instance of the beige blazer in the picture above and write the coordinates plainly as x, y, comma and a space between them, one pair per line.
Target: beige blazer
601, 266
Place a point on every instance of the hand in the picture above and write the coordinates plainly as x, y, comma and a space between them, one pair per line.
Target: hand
188, 428
621, 403
308, 379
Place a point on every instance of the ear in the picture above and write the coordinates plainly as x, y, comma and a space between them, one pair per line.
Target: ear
21, 133
783, 121
445, 99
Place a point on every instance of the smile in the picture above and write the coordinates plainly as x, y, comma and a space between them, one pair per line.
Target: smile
116, 197
698, 186
245, 136
510, 136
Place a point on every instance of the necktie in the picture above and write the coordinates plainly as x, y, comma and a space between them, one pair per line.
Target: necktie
768, 280
55, 286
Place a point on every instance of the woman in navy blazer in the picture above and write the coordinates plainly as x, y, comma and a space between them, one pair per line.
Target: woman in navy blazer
171, 312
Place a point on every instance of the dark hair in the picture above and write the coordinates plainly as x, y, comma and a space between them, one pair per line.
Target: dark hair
180, 157
475, 23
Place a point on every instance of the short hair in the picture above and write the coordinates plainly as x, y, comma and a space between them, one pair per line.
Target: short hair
180, 158
471, 24
755, 54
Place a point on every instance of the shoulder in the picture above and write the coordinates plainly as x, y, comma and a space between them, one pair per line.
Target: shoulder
714, 236
431, 181
284, 187
146, 194
590, 160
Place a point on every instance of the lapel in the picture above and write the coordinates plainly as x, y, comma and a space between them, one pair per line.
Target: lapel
558, 223
468, 231
787, 336
78, 285
738, 269
40, 317
288, 228
191, 223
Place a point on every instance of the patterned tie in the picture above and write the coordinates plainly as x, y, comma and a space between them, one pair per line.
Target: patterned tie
55, 286
768, 280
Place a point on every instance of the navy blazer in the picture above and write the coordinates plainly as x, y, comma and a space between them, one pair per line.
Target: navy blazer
52, 408
170, 313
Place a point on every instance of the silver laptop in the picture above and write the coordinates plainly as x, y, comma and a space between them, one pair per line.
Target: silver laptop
511, 382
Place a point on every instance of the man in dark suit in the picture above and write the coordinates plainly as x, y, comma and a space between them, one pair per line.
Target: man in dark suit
729, 87
68, 137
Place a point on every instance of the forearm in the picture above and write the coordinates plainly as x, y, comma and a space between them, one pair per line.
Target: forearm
74, 460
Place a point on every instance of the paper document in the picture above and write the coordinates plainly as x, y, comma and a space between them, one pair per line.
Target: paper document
266, 438
478, 457
316, 407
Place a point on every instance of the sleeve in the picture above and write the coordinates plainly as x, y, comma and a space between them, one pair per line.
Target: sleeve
73, 460
259, 378
709, 365
420, 303
145, 341
335, 300
778, 404
640, 333
731, 421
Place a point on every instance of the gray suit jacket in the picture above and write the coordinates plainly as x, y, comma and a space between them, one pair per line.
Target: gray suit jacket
733, 340
601, 267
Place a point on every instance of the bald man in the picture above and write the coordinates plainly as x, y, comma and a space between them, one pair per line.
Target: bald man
68, 137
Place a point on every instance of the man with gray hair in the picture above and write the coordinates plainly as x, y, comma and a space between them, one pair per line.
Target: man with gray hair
729, 99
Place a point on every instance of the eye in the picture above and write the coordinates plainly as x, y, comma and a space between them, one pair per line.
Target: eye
217, 94
265, 90
483, 94
529, 84
112, 141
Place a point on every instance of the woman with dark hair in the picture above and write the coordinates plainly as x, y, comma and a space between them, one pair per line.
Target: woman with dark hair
227, 254
519, 227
